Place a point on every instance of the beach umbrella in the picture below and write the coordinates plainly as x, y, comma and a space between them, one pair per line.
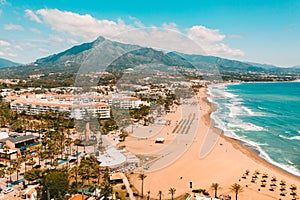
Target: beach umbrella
247, 172
265, 175
282, 182
283, 193
274, 179
293, 193
273, 185
257, 172
264, 180
293, 187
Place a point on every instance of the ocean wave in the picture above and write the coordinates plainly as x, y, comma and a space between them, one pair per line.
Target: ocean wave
230, 120
235, 109
289, 168
261, 153
247, 126
260, 108
290, 138
220, 91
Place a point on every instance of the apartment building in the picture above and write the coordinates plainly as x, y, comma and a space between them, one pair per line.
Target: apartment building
77, 105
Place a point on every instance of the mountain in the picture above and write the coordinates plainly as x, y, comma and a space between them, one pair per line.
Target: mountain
207, 63
79, 53
111, 56
296, 67
7, 63
265, 66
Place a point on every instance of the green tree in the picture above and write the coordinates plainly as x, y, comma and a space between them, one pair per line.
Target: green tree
106, 188
32, 175
159, 194
142, 178
57, 183
172, 192
10, 171
236, 188
215, 187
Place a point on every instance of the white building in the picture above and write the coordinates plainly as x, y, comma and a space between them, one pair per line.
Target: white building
76, 105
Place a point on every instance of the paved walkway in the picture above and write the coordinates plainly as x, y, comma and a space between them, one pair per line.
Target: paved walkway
128, 188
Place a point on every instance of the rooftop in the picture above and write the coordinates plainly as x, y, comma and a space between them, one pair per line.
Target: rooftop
19, 139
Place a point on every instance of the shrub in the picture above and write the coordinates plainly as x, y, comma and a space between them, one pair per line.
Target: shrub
135, 194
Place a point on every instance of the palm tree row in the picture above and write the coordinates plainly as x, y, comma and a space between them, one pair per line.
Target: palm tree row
236, 188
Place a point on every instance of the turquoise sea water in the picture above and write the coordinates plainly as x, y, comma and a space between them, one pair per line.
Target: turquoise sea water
263, 116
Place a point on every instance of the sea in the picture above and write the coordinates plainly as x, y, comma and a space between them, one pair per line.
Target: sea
262, 116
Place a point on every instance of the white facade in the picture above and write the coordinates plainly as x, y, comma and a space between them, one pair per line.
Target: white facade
36, 104
76, 105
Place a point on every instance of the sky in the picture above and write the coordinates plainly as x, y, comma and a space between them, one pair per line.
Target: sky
263, 31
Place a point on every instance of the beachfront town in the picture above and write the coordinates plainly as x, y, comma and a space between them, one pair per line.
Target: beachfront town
112, 141
62, 144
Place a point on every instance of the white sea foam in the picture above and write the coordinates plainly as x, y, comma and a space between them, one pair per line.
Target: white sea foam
260, 108
290, 138
246, 126
290, 162
236, 109
289, 168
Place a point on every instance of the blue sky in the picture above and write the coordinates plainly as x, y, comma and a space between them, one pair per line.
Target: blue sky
261, 31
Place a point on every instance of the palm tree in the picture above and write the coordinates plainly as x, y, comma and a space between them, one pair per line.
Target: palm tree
159, 194
236, 188
215, 187
10, 171
172, 192
142, 178
17, 166
148, 195
73, 173
2, 173
77, 142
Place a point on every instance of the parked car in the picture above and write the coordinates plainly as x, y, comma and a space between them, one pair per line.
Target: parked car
7, 190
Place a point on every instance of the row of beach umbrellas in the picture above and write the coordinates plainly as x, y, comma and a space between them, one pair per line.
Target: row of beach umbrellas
273, 185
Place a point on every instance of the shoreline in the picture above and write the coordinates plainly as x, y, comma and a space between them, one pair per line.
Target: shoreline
241, 143
225, 164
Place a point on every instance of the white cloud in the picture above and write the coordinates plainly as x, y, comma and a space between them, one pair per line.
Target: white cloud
55, 38
203, 34
4, 43
11, 27
84, 26
195, 39
171, 26
12, 55
136, 22
34, 30
43, 50
211, 40
72, 41
32, 16
18, 47
1, 53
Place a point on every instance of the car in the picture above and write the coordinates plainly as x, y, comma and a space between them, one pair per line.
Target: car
7, 190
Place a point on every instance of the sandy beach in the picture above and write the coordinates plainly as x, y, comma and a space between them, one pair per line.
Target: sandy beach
209, 158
